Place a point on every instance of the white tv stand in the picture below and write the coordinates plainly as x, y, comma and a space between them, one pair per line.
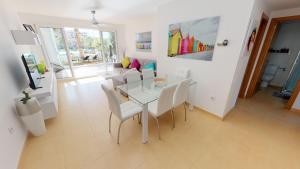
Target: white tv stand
47, 95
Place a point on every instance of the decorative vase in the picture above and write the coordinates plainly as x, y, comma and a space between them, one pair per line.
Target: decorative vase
32, 116
32, 105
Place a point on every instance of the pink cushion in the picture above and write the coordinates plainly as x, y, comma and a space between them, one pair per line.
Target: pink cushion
135, 64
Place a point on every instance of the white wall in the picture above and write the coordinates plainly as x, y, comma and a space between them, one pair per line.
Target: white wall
258, 9
288, 36
214, 77
13, 79
145, 25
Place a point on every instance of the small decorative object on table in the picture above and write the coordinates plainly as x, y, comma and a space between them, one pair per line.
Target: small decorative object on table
160, 82
31, 114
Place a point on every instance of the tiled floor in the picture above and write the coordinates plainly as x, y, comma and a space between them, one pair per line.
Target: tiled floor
85, 71
257, 134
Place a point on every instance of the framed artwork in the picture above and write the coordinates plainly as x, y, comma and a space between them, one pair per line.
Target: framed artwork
193, 39
144, 41
250, 37
28, 27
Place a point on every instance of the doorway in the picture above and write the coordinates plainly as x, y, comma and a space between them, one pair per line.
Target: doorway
253, 56
278, 63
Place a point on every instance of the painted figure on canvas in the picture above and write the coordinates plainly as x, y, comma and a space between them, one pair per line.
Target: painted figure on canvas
251, 40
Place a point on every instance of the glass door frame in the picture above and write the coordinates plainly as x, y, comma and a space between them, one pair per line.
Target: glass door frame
116, 43
68, 51
70, 65
66, 44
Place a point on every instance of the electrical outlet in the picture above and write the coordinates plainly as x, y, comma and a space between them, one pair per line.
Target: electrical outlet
212, 98
11, 130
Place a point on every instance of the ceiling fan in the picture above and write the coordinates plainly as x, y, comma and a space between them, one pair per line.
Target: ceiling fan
93, 6
95, 22
96, 5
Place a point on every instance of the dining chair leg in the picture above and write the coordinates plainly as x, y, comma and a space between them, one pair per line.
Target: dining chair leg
140, 118
173, 118
158, 127
184, 104
110, 122
119, 132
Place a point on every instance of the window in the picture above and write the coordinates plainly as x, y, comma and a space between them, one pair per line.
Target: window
86, 47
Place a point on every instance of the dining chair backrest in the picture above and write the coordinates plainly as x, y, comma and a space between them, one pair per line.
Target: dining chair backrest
113, 101
181, 93
133, 77
165, 101
183, 73
147, 74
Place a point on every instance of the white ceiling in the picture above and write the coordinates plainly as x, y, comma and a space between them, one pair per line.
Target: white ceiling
283, 4
114, 11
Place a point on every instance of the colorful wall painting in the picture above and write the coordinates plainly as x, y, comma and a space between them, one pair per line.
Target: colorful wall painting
193, 39
144, 41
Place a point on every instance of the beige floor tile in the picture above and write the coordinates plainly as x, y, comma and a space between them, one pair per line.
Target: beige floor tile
257, 134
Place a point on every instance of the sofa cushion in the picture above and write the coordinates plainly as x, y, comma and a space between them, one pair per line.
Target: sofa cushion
135, 64
125, 62
142, 61
150, 65
147, 61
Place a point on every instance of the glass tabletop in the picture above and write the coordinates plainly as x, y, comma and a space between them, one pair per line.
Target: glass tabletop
147, 90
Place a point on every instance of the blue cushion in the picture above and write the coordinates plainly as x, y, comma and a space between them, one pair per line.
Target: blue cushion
151, 66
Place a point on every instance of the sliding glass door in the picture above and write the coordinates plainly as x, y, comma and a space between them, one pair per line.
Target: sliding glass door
73, 47
109, 46
57, 52
85, 52
90, 46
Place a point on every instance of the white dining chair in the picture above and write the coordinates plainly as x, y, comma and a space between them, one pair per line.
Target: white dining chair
122, 111
180, 97
163, 104
133, 79
147, 74
133, 76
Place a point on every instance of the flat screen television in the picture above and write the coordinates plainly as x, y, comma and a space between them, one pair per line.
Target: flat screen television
31, 70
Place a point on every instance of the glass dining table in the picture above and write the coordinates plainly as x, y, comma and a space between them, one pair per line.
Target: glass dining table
146, 91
